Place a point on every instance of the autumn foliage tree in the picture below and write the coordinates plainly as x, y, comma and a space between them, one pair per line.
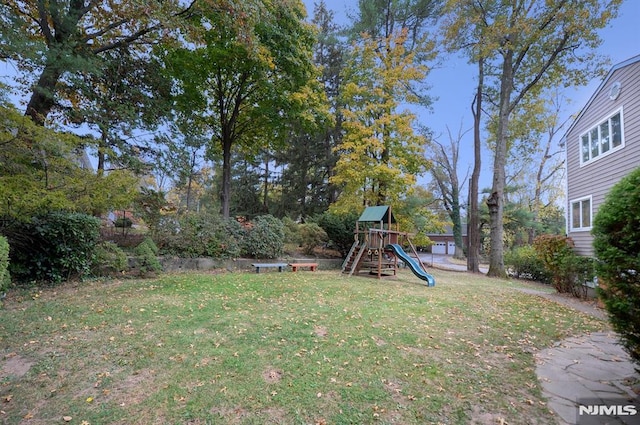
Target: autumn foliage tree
380, 154
53, 40
81, 62
525, 46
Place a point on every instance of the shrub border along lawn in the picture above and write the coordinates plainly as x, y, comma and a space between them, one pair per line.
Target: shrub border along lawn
283, 348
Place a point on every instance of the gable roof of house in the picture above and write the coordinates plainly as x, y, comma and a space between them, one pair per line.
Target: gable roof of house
604, 82
448, 231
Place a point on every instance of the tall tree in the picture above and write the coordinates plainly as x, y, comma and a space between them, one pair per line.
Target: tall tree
388, 66
239, 78
308, 160
528, 45
473, 219
380, 154
445, 175
462, 32
63, 38
311, 158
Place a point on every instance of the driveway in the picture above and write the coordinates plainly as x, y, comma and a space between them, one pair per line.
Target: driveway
441, 261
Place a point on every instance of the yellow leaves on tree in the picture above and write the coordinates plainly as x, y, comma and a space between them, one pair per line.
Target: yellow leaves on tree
380, 155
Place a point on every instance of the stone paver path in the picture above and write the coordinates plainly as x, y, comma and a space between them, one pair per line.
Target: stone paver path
587, 367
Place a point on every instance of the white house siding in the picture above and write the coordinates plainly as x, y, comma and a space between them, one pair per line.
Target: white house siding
596, 178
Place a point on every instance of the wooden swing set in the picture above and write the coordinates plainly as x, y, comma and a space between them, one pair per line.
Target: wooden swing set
373, 252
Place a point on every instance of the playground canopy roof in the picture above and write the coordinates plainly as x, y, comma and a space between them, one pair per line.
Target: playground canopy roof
380, 213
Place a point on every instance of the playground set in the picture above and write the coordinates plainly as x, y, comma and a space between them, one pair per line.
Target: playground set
378, 247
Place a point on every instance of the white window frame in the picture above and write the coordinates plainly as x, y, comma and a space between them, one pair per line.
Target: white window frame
596, 128
579, 201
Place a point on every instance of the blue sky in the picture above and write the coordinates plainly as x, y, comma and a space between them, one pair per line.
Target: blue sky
453, 81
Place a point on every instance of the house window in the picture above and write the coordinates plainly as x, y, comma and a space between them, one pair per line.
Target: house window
581, 214
602, 139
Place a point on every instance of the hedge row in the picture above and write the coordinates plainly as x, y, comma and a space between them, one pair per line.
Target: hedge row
59, 246
207, 235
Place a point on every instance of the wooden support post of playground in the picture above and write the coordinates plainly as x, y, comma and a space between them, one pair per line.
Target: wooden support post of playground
386, 237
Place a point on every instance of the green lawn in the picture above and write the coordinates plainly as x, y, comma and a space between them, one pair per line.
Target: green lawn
280, 348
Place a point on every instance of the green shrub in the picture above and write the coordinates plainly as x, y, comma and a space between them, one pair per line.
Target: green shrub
291, 231
616, 231
524, 263
340, 229
579, 274
555, 251
311, 235
5, 277
228, 243
123, 222
109, 260
53, 247
147, 257
265, 239
200, 235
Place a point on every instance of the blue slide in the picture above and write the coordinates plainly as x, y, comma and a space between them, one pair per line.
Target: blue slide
412, 263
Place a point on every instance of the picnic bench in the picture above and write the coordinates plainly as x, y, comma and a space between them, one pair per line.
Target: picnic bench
259, 266
295, 266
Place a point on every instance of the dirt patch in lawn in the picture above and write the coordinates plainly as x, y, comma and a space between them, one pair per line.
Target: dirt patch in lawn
272, 376
320, 331
14, 365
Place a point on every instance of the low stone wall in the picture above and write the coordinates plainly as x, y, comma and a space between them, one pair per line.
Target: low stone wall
170, 264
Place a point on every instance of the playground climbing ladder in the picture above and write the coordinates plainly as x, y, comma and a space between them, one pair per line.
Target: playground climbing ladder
350, 263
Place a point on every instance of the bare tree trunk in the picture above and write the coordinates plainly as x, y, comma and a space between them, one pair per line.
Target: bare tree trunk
42, 98
192, 166
445, 174
495, 202
473, 223
457, 228
225, 193
265, 195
